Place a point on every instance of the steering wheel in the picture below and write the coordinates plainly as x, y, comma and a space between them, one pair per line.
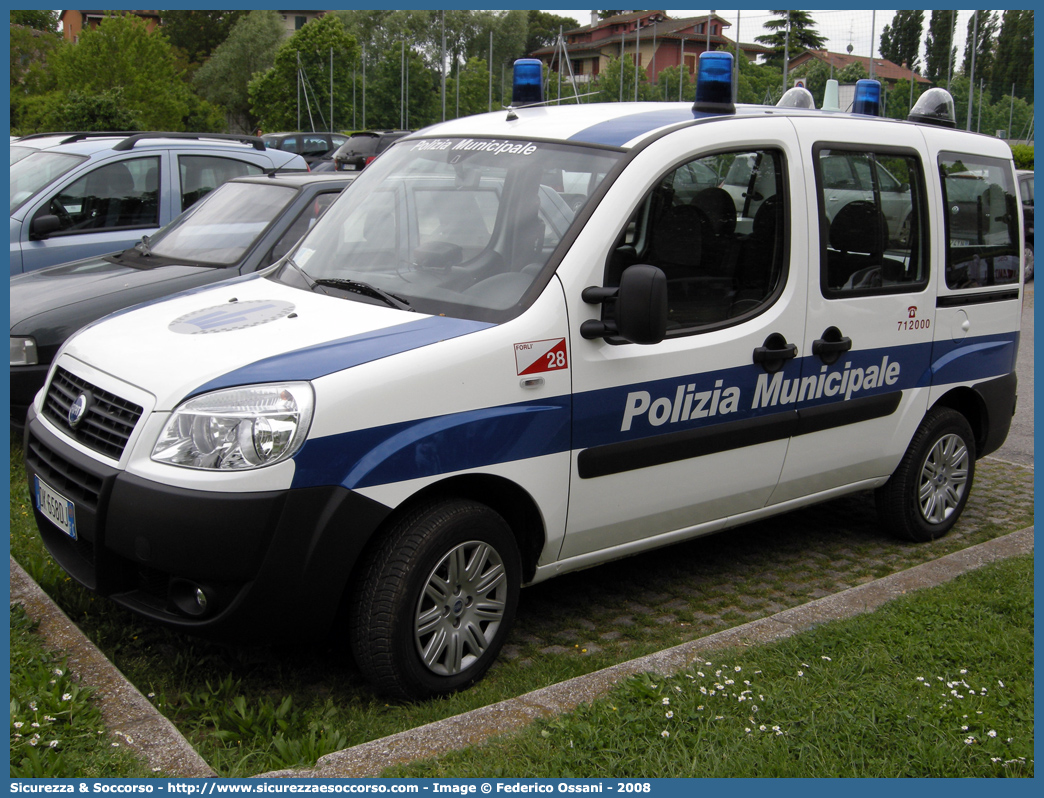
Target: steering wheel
63, 215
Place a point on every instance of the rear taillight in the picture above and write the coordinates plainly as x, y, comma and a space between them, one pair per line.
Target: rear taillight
369, 160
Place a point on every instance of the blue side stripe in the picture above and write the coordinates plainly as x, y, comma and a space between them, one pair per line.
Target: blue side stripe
428, 447
617, 132
437, 445
331, 356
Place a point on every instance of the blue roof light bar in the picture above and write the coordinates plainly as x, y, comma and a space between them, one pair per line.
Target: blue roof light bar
714, 84
867, 98
527, 82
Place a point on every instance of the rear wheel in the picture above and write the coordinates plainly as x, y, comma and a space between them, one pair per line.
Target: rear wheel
436, 599
928, 491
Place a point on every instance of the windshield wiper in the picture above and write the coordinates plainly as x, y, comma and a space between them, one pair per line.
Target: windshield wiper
366, 289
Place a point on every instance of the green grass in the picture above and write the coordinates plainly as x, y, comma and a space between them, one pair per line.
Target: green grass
250, 710
935, 684
56, 731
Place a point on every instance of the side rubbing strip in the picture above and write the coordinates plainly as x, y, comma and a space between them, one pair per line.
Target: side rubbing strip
840, 414
957, 300
615, 458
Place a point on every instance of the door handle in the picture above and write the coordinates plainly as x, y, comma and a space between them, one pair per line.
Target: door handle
774, 353
831, 346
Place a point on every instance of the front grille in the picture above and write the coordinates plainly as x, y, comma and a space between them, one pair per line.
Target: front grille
108, 422
64, 476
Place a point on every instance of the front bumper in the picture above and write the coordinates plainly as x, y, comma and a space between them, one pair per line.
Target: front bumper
272, 565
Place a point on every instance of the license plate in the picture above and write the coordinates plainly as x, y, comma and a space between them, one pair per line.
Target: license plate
60, 510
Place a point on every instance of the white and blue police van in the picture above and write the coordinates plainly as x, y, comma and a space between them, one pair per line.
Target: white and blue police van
533, 341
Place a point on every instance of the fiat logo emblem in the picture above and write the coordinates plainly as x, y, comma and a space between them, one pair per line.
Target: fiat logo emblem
78, 410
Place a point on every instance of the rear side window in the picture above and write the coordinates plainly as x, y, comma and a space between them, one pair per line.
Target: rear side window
873, 236
201, 174
982, 223
716, 227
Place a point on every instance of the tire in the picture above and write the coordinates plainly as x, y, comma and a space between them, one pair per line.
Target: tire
436, 600
927, 492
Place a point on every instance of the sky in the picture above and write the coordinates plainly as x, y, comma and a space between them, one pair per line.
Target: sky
840, 27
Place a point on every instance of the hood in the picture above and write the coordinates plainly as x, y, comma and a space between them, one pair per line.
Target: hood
52, 303
249, 331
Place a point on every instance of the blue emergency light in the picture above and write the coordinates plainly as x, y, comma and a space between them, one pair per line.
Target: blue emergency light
867, 98
714, 84
527, 82
934, 107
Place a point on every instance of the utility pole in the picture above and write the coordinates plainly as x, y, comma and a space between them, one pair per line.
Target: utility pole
443, 66
971, 80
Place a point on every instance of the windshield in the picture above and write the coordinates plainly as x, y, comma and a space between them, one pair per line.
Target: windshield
30, 175
459, 227
224, 225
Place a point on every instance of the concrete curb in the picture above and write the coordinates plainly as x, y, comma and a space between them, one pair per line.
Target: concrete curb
477, 726
162, 746
124, 709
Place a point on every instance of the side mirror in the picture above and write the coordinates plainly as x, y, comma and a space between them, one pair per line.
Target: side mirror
641, 307
43, 225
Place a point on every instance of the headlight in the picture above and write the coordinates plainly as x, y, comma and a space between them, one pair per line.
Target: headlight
238, 428
23, 352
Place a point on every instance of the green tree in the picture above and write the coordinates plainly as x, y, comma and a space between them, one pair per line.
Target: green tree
473, 94
758, 83
1015, 43
305, 60
608, 88
107, 110
248, 51
940, 54
803, 36
385, 100
983, 45
121, 53
543, 27
198, 33
901, 41
670, 80
45, 21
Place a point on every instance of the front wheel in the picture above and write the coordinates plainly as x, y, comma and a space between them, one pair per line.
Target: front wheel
435, 600
928, 491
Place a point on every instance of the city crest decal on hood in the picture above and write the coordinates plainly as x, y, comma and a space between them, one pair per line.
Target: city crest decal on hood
232, 316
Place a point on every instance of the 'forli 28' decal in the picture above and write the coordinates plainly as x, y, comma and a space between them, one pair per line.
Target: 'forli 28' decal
535, 357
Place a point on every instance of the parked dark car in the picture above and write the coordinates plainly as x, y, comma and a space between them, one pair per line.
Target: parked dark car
361, 148
313, 147
1026, 189
241, 226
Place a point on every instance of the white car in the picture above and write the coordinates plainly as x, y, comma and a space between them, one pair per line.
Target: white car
515, 349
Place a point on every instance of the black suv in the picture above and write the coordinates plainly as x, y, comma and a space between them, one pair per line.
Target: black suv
310, 146
361, 148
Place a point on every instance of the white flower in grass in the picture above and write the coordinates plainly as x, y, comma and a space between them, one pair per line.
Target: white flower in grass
665, 733
65, 697
34, 740
58, 672
801, 673
964, 671
668, 714
700, 674
666, 701
964, 728
826, 658
991, 733
18, 724
1000, 683
969, 740
32, 706
35, 725
52, 744
747, 730
737, 669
